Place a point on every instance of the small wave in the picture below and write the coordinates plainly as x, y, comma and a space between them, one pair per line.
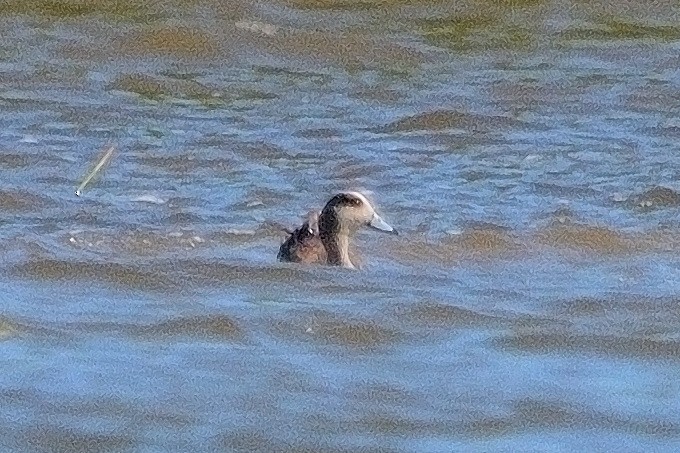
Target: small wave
657, 197
441, 314
217, 327
153, 87
330, 329
560, 341
127, 276
532, 414
446, 119
178, 41
20, 201
57, 438
149, 198
585, 238
468, 244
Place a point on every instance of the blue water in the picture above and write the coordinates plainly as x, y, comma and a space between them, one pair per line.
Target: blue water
529, 303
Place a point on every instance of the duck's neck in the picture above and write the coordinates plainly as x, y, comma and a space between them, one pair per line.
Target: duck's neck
338, 250
335, 240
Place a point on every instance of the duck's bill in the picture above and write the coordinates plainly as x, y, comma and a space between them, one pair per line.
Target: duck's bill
379, 224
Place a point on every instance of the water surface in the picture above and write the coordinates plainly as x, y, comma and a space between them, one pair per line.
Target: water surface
526, 150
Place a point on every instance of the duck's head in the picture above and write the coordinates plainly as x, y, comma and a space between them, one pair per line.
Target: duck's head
351, 211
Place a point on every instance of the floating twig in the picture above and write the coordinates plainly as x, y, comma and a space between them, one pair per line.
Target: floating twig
106, 157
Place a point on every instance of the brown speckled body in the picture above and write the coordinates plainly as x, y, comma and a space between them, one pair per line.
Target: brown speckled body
304, 244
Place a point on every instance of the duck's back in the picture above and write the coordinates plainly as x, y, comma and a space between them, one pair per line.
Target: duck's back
303, 246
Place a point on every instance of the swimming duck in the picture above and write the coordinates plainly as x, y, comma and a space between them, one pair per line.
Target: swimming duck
324, 237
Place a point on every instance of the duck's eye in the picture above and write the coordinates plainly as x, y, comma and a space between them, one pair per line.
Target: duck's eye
355, 202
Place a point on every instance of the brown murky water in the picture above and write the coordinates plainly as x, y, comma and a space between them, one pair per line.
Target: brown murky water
526, 150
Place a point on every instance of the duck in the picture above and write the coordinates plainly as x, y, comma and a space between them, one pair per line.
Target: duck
324, 236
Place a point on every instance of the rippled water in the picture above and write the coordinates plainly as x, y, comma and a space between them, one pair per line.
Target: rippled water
526, 150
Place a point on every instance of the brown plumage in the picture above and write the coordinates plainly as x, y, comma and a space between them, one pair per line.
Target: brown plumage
324, 238
303, 245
